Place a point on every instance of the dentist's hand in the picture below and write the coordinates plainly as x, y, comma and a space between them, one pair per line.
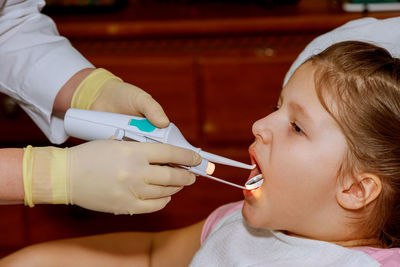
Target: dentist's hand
118, 177
103, 91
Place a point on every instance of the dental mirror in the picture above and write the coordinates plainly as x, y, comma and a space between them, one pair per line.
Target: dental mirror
254, 182
251, 184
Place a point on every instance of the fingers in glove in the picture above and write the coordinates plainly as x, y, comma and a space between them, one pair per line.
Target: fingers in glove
169, 176
164, 153
154, 191
151, 109
145, 206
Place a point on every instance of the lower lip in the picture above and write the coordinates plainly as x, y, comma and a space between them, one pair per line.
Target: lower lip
248, 193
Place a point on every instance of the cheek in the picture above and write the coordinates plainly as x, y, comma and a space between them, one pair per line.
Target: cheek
290, 165
301, 178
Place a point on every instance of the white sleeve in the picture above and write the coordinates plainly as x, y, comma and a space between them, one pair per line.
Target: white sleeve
35, 62
383, 33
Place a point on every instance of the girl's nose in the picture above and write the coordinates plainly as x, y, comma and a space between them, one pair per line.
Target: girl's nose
262, 131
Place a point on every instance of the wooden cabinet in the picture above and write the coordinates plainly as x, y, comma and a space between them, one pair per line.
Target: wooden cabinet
17, 128
213, 75
238, 91
13, 227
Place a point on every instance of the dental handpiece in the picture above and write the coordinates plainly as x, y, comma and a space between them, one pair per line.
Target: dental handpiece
93, 125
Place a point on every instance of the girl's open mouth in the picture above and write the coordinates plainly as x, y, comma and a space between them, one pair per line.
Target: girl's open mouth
256, 171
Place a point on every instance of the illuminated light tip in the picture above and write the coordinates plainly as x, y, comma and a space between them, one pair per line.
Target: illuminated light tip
210, 168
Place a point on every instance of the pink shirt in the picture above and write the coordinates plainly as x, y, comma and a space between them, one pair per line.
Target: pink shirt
386, 257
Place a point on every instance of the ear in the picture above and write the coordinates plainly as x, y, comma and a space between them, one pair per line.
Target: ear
358, 192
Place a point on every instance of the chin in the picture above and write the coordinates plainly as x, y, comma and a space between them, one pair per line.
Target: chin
258, 216
249, 213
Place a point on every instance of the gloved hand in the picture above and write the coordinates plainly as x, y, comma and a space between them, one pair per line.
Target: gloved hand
119, 177
103, 91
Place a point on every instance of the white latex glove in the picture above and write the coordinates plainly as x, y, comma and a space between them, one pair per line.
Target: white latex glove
103, 91
119, 177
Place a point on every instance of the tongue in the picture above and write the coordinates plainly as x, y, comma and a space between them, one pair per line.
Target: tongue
254, 172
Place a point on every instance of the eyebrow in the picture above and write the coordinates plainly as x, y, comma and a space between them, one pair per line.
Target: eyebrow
298, 108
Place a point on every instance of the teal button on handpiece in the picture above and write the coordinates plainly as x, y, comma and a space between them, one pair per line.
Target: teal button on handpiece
143, 124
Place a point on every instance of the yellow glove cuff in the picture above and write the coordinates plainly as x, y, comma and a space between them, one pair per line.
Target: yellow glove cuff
45, 175
27, 166
88, 90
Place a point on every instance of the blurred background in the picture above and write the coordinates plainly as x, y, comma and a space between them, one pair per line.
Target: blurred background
215, 67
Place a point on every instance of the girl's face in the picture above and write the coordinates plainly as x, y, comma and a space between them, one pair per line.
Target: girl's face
299, 149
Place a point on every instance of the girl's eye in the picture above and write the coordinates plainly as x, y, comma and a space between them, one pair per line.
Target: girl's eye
275, 108
296, 128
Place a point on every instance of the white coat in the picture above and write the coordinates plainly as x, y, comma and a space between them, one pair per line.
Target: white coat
383, 33
35, 62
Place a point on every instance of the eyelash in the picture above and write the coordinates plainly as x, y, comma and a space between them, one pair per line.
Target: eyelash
296, 128
293, 124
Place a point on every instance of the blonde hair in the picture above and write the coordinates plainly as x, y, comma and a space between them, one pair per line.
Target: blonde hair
359, 85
